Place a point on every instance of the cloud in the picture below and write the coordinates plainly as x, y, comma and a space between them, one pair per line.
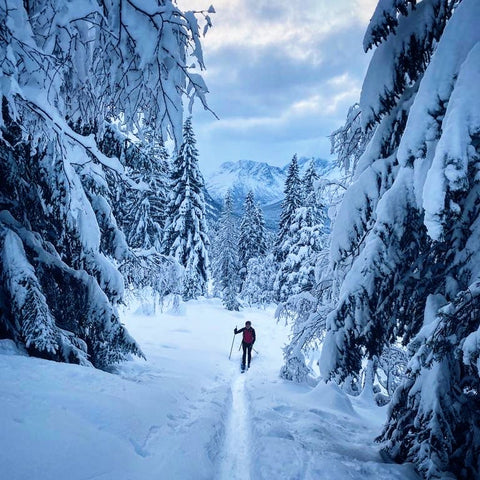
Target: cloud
281, 73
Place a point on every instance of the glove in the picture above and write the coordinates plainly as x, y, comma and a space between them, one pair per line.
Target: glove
235, 330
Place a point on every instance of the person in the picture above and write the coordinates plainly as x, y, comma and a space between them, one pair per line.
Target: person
248, 340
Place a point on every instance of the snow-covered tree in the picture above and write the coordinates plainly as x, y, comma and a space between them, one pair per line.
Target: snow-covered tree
303, 241
296, 284
139, 206
252, 235
391, 368
186, 229
350, 141
226, 265
297, 272
309, 180
145, 205
151, 277
307, 310
69, 69
262, 234
408, 232
293, 199
257, 287
301, 310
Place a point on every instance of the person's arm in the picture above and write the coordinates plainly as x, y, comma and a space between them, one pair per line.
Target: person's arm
254, 336
238, 331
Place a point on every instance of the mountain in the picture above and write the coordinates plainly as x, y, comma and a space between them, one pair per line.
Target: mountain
266, 181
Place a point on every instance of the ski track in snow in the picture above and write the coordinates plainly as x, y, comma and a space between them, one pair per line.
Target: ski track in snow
236, 454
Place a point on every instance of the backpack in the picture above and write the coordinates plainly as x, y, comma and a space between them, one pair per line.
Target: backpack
248, 335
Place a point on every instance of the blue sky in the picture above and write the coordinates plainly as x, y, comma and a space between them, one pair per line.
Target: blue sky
281, 76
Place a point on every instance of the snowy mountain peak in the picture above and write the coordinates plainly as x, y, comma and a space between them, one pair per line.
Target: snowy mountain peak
266, 181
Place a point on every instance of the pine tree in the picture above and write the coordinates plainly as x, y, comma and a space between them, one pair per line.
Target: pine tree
296, 283
226, 260
407, 232
252, 236
292, 200
307, 310
139, 207
186, 230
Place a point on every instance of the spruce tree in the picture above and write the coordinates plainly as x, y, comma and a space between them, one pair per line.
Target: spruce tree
252, 236
226, 260
139, 207
186, 228
296, 273
314, 198
259, 222
145, 206
303, 240
292, 200
309, 180
308, 310
304, 281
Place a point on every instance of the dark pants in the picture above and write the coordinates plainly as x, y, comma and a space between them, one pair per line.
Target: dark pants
247, 347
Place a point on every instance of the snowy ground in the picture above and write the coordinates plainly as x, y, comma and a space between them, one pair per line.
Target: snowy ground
186, 413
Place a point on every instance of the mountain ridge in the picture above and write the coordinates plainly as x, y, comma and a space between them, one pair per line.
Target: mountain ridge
266, 181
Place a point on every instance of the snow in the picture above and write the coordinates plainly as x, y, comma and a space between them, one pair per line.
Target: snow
235, 462
452, 74
265, 181
381, 80
186, 412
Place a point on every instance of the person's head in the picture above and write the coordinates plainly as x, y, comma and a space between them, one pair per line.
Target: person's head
248, 324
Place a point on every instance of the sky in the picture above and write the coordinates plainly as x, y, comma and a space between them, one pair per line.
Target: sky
281, 76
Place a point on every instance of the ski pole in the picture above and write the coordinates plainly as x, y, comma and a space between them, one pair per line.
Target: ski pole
231, 348
256, 351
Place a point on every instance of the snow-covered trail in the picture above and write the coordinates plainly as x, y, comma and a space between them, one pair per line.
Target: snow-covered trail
235, 459
186, 413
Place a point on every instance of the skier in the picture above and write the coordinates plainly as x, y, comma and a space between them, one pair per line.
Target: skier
247, 342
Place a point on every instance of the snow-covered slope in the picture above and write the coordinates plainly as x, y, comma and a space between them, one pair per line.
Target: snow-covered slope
266, 181
186, 413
